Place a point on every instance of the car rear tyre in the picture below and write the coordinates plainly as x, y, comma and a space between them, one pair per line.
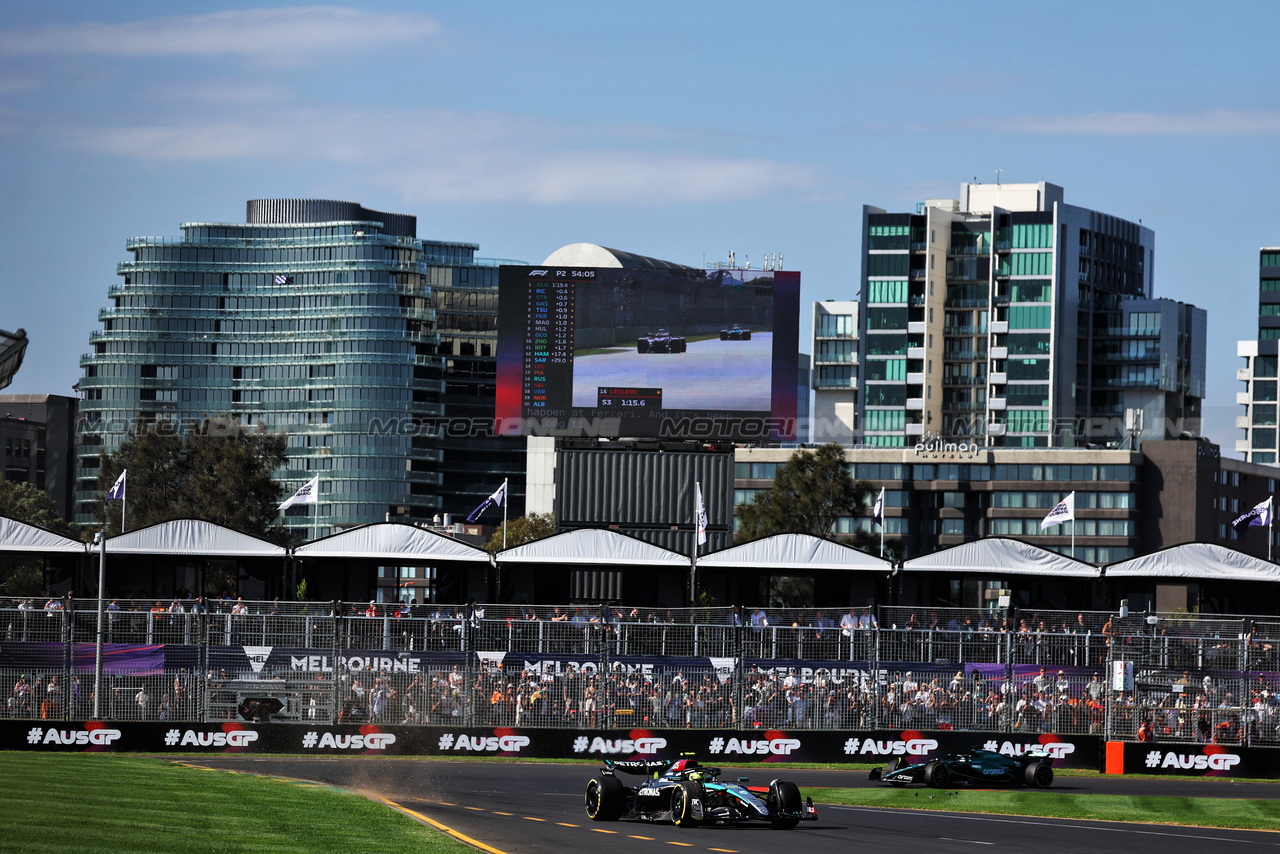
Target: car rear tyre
784, 797
1040, 775
606, 799
682, 801
746, 336
937, 774
642, 346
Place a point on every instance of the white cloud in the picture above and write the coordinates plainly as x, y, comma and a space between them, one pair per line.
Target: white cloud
1201, 123
446, 156
264, 33
1205, 122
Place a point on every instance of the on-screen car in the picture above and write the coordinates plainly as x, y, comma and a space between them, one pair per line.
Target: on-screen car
661, 341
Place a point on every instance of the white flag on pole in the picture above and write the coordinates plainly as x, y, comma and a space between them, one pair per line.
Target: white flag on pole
498, 499
1064, 512
308, 493
117, 491
701, 512
877, 512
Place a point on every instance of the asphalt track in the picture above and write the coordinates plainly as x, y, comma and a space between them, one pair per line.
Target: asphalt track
711, 374
514, 808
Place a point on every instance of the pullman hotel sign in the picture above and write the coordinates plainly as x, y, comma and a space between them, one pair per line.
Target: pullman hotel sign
938, 448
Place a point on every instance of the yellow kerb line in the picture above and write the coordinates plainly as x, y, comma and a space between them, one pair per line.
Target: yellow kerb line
462, 837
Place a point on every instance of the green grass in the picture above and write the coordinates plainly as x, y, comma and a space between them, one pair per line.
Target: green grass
102, 802
1201, 812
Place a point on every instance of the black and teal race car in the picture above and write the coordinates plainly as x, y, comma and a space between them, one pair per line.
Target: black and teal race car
972, 768
688, 794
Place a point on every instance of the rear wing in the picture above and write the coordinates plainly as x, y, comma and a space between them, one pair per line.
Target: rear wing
636, 766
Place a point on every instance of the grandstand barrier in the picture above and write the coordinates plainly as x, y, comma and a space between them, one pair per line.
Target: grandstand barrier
864, 747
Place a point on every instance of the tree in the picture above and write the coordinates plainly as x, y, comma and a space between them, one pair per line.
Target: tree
23, 502
526, 529
810, 493
217, 472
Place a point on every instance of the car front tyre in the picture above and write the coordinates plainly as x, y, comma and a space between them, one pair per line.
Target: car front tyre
682, 798
785, 802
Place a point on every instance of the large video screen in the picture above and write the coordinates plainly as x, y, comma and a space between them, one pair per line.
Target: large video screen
679, 354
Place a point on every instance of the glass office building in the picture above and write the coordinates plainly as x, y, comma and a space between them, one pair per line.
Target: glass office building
313, 317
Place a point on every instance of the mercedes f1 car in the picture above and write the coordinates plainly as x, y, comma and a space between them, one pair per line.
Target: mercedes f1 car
661, 341
972, 768
689, 794
735, 333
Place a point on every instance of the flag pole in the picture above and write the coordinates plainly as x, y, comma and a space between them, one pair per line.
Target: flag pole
504, 513
124, 502
693, 560
1271, 518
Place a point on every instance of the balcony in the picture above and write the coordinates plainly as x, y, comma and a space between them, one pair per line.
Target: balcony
915, 429
1242, 397
999, 327
1242, 421
999, 352
915, 352
915, 327
1242, 446
1244, 374
915, 379
915, 404
996, 403
995, 428
999, 378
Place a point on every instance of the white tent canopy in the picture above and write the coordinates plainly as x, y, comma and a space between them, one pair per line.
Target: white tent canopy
794, 551
592, 546
392, 541
18, 536
1196, 560
996, 556
191, 537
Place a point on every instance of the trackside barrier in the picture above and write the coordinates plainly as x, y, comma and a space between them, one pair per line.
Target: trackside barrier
1189, 759
709, 745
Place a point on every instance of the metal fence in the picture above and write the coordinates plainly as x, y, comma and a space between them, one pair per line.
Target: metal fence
1206, 678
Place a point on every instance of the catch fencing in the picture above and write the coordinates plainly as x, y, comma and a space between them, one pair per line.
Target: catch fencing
1191, 677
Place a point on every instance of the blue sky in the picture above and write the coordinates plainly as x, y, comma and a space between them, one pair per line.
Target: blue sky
679, 130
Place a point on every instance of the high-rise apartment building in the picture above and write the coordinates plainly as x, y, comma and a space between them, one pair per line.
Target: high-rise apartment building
1260, 444
313, 317
1010, 318
835, 371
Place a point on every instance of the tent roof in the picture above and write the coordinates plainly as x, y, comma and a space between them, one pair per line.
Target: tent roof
1001, 556
191, 537
18, 536
390, 541
1196, 560
795, 551
592, 546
